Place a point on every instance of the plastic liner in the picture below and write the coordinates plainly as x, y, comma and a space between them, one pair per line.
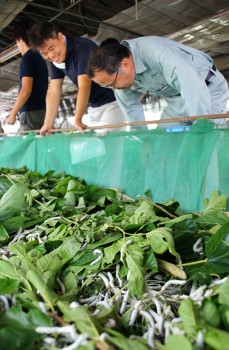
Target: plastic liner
186, 165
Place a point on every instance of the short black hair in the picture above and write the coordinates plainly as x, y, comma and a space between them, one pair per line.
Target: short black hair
40, 32
22, 29
109, 41
106, 58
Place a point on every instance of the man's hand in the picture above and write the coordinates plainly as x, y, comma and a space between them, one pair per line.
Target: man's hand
80, 125
44, 129
11, 119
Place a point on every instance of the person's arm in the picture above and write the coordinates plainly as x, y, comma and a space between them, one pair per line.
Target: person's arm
129, 102
52, 104
84, 89
23, 96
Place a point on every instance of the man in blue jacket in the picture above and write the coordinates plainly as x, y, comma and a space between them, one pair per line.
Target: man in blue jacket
185, 77
69, 57
33, 83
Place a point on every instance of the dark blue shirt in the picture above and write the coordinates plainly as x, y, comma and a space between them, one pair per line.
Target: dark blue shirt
33, 65
78, 51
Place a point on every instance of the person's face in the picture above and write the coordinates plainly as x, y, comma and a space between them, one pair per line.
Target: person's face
123, 78
20, 43
54, 50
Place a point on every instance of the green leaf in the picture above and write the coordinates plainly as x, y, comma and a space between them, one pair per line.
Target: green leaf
215, 203
112, 237
3, 234
18, 249
111, 252
217, 250
70, 282
17, 328
178, 220
161, 240
150, 261
216, 339
40, 284
69, 249
8, 285
224, 293
178, 342
18, 339
5, 184
13, 224
49, 262
134, 260
7, 270
143, 214
11, 202
212, 218
124, 343
190, 316
84, 322
84, 259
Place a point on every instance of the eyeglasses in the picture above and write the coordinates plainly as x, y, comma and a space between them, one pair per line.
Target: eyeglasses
112, 85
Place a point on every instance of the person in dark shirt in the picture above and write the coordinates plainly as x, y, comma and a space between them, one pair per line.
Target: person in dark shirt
68, 57
33, 83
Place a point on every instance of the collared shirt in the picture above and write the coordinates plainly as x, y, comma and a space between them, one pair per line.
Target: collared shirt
78, 51
167, 68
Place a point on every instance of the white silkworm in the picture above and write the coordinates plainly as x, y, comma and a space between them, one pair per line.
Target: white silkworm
150, 337
104, 303
218, 282
123, 248
111, 282
167, 328
200, 340
168, 283
154, 314
42, 307
88, 300
84, 217
83, 247
124, 302
61, 285
59, 330
111, 323
157, 304
74, 304
148, 317
97, 251
50, 219
176, 320
195, 247
117, 275
134, 313
105, 280
5, 302
78, 342
198, 292
103, 336
49, 341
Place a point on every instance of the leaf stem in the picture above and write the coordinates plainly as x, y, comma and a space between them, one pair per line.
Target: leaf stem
35, 200
194, 262
8, 178
157, 206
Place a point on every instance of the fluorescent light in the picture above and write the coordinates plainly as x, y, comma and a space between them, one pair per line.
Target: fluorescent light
9, 53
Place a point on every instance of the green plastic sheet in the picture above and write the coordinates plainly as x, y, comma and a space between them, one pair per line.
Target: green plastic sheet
185, 166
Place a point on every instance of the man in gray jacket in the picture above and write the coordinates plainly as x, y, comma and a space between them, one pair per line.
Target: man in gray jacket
187, 78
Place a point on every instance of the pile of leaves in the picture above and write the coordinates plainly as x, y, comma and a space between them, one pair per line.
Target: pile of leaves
83, 267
